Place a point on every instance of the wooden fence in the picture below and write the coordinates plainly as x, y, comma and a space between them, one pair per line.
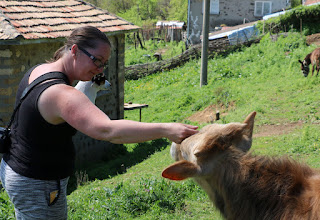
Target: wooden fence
162, 33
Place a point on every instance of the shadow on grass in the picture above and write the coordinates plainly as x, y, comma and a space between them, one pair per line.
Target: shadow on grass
121, 160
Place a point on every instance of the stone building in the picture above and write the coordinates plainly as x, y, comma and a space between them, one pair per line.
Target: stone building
228, 12
30, 33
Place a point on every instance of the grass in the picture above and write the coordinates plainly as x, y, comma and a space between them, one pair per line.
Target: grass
265, 78
140, 193
137, 55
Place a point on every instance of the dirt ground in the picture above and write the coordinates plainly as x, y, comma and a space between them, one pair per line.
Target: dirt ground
314, 39
208, 115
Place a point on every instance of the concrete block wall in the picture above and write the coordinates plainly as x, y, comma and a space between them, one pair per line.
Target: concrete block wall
233, 13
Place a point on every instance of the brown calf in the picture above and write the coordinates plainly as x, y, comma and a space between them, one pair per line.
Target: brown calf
312, 58
241, 185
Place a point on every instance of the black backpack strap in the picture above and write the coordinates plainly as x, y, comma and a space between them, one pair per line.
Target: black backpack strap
37, 81
42, 78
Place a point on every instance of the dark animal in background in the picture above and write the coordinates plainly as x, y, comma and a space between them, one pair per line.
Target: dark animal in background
312, 58
244, 186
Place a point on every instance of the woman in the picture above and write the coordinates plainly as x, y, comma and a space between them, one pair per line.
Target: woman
36, 170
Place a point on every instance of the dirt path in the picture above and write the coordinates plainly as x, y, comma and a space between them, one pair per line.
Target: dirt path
273, 130
314, 39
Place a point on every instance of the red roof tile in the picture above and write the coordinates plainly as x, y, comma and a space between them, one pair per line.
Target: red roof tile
309, 2
35, 19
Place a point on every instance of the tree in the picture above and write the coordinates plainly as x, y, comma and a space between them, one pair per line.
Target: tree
118, 6
295, 3
144, 12
163, 6
178, 10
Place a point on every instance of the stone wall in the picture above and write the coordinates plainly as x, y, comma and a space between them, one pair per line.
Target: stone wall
15, 60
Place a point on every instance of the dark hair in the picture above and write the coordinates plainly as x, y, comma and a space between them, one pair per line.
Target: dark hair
85, 37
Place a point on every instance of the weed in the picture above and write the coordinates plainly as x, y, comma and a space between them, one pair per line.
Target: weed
82, 177
6, 207
148, 195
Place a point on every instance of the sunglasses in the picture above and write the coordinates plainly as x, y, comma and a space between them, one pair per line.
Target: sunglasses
95, 60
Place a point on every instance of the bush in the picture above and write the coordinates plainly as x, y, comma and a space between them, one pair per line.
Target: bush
291, 20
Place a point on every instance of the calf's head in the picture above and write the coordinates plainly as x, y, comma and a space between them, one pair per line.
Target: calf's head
304, 67
196, 155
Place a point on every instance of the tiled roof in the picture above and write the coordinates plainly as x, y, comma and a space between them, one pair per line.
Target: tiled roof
310, 2
35, 19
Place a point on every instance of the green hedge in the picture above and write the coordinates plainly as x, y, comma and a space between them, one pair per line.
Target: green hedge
308, 16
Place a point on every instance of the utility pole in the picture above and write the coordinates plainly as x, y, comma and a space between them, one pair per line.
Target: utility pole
205, 36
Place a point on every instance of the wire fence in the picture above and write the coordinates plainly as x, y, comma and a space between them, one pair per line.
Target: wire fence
157, 33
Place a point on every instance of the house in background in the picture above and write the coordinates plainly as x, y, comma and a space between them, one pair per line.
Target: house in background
310, 2
174, 29
30, 33
228, 12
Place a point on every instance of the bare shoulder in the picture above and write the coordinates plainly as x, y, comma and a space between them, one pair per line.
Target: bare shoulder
57, 91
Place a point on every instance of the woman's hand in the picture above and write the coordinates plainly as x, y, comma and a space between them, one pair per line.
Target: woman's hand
178, 132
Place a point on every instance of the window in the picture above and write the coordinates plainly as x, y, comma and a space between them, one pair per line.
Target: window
288, 3
214, 7
262, 8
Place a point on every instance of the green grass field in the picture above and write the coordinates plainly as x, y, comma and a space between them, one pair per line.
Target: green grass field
265, 78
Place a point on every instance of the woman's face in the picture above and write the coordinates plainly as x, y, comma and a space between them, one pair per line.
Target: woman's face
91, 62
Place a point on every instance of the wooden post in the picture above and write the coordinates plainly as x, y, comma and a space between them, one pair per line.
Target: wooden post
301, 27
139, 41
217, 115
205, 36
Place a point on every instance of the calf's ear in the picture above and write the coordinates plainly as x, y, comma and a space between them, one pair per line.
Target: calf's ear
300, 61
250, 123
181, 170
245, 141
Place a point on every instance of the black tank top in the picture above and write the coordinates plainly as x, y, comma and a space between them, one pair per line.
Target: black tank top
39, 149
